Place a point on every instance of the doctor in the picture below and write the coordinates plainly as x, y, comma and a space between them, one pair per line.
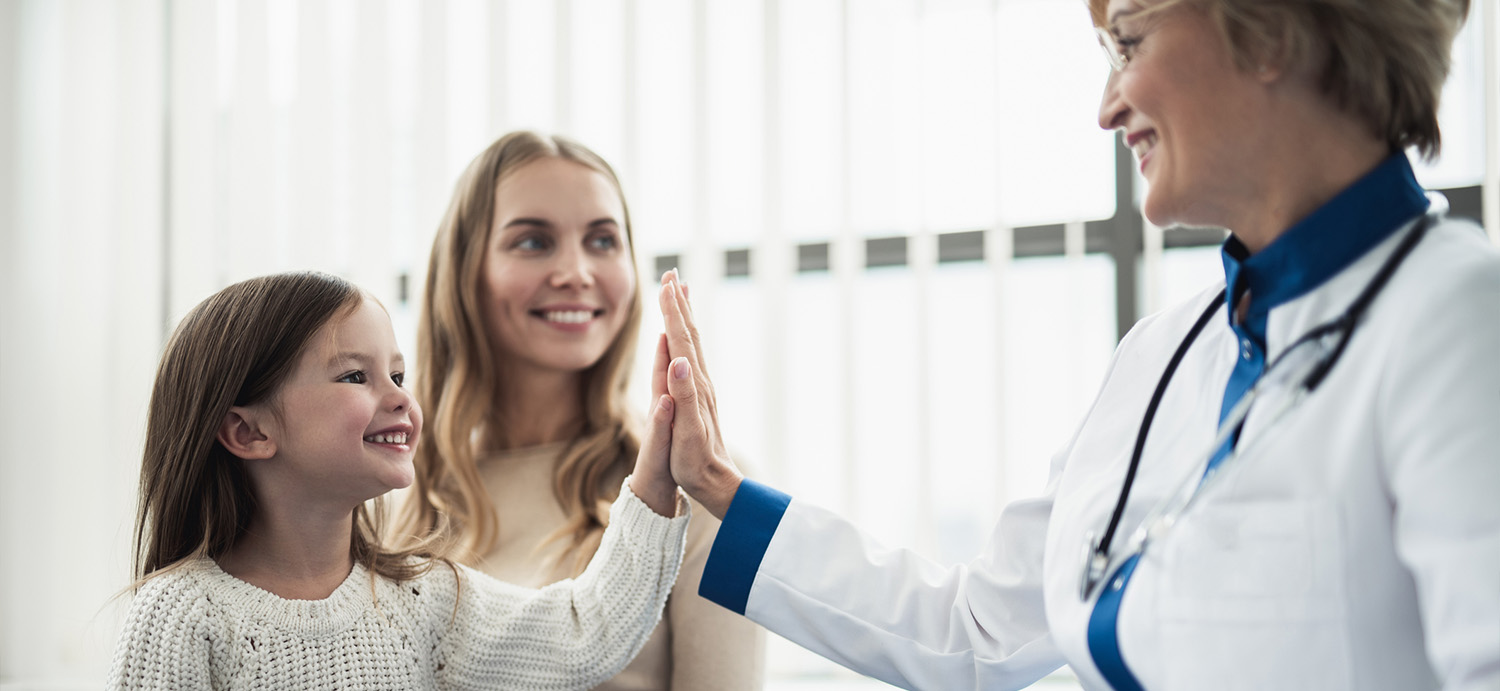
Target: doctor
1290, 481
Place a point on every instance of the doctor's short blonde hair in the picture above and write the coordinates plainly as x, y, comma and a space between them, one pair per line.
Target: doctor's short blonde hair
1383, 61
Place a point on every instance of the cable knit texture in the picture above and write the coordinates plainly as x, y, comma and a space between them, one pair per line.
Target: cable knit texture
198, 627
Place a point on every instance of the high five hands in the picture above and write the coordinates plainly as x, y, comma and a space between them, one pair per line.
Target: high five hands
699, 461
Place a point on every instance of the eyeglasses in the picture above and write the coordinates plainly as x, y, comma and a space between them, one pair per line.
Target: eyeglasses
1282, 387
1116, 57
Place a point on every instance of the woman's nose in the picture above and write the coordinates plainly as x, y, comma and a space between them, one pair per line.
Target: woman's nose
571, 268
1112, 108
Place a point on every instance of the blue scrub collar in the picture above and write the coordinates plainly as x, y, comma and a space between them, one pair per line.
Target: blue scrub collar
1327, 241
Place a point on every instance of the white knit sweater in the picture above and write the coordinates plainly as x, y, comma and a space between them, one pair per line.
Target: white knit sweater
197, 627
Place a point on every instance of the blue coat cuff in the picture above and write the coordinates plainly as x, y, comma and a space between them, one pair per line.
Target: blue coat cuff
735, 558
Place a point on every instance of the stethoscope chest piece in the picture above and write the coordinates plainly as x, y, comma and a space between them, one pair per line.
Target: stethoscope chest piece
1095, 564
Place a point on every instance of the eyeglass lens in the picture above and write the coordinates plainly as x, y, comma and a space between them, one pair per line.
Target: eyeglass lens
1111, 49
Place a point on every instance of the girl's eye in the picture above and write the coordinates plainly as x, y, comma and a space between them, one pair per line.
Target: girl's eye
398, 377
355, 377
1127, 45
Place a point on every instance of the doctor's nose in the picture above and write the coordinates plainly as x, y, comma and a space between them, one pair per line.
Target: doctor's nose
1112, 108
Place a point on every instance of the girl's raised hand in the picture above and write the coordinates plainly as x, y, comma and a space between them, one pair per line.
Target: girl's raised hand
699, 460
652, 478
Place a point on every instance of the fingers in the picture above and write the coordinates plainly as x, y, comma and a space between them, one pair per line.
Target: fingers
659, 368
685, 307
659, 433
675, 291
685, 303
652, 480
681, 341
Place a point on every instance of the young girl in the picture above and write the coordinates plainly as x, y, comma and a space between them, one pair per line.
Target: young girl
278, 411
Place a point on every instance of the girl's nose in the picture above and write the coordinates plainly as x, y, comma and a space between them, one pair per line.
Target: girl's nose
399, 398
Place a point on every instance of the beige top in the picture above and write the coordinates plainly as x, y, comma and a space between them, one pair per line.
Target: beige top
698, 645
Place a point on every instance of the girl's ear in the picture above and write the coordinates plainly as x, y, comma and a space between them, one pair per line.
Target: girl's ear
241, 434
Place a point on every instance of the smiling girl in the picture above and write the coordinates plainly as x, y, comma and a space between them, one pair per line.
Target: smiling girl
278, 412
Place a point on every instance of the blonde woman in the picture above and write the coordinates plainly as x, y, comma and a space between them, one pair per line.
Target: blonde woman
525, 342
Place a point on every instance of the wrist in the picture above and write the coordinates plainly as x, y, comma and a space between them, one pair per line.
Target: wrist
656, 491
715, 487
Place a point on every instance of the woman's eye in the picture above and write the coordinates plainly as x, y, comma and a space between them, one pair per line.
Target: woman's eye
529, 244
606, 241
355, 377
398, 377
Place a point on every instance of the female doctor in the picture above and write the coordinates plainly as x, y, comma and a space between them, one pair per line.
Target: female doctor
1290, 481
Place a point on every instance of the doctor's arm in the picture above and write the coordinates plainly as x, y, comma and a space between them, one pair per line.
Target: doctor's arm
814, 578
1440, 411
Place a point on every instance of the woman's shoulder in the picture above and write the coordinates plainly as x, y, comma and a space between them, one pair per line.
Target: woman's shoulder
1454, 258
1169, 325
1450, 282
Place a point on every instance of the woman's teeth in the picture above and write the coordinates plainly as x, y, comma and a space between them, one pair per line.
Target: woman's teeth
568, 317
1143, 145
388, 438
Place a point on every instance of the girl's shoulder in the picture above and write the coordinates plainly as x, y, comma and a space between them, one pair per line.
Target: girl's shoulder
434, 593
175, 593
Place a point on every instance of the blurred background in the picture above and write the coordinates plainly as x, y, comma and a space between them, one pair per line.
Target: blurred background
911, 248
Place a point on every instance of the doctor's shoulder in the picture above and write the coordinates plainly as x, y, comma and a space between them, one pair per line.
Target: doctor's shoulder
1157, 336
1450, 283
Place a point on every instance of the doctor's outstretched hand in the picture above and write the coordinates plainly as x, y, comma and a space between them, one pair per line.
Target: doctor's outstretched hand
700, 463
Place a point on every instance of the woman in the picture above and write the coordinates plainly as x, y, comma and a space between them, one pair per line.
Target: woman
1287, 482
525, 343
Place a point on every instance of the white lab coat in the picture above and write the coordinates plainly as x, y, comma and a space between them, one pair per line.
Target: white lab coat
1357, 547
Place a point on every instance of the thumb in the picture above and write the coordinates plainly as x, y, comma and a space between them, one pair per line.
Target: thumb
687, 423
652, 480
659, 432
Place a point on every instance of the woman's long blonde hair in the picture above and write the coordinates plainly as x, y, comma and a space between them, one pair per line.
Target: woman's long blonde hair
458, 382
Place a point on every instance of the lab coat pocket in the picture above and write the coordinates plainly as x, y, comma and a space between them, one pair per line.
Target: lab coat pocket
1251, 597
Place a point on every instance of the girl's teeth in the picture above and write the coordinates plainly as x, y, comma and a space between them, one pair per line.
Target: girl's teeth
394, 438
568, 317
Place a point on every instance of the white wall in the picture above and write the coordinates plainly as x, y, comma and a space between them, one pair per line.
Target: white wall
81, 321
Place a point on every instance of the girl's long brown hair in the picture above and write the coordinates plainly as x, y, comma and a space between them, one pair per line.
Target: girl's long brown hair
458, 383
234, 349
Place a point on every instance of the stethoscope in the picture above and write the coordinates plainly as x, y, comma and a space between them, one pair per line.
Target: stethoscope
1302, 367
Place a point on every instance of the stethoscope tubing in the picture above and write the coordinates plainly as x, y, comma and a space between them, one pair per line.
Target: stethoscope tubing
1097, 561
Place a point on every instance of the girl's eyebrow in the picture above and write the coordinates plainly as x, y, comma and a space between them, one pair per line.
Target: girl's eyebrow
361, 359
344, 357
339, 359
